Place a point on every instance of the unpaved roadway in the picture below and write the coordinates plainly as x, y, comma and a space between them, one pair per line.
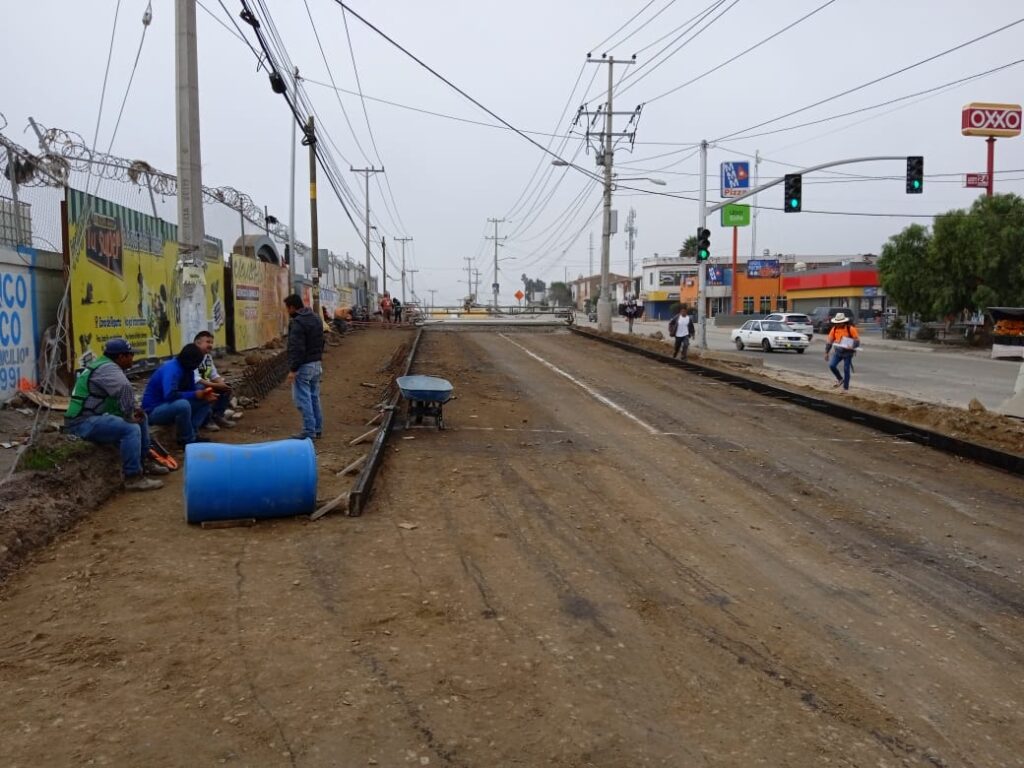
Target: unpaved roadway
604, 561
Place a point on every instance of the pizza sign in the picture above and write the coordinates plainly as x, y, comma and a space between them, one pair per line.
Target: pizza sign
981, 119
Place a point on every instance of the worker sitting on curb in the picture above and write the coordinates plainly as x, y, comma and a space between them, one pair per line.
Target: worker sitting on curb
172, 396
102, 410
207, 375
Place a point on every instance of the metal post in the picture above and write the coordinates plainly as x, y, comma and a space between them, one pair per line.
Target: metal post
604, 307
496, 222
191, 227
753, 224
403, 241
702, 272
314, 231
991, 141
241, 220
291, 209
366, 232
12, 175
412, 284
384, 264
735, 254
631, 229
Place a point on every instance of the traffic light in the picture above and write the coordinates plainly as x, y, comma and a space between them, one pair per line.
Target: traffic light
794, 193
703, 244
915, 175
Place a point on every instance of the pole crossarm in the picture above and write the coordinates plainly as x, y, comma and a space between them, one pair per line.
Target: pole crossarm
811, 169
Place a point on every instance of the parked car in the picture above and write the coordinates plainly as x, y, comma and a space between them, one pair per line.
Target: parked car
821, 317
769, 335
795, 320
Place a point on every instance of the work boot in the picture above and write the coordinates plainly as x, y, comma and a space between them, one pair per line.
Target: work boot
152, 468
223, 421
142, 483
211, 426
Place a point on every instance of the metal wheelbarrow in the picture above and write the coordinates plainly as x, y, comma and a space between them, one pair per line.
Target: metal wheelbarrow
426, 396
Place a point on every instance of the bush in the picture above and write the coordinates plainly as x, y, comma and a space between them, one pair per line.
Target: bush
925, 333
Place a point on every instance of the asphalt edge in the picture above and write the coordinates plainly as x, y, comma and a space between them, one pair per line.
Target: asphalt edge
1008, 462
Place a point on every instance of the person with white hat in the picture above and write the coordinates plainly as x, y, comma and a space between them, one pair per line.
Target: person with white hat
843, 337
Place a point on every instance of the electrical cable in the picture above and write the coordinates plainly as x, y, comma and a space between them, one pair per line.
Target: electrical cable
874, 81
147, 17
642, 72
743, 53
626, 24
950, 84
106, 75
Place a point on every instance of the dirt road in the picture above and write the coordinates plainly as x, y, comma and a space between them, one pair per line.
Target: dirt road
603, 562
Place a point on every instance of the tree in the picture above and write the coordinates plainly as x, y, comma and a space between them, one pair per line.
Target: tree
559, 294
904, 267
971, 260
689, 249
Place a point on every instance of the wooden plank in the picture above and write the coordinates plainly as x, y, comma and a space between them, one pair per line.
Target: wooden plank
242, 522
353, 466
329, 506
365, 436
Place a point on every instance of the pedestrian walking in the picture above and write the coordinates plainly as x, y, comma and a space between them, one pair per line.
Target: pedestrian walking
305, 351
842, 342
680, 328
385, 308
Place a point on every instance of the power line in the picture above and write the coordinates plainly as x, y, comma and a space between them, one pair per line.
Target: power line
106, 74
951, 83
147, 17
874, 81
743, 53
667, 5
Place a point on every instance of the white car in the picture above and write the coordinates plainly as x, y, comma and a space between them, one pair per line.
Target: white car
795, 320
769, 335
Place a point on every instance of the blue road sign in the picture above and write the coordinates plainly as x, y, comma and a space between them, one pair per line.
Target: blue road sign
735, 178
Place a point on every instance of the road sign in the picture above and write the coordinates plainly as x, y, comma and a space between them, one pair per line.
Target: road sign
735, 178
976, 180
736, 215
519, 295
983, 119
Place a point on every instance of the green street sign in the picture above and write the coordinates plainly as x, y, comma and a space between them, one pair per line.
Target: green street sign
735, 215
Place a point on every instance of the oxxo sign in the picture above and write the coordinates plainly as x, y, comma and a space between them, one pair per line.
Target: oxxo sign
981, 119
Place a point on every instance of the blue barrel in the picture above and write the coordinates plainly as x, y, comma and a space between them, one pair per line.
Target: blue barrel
261, 480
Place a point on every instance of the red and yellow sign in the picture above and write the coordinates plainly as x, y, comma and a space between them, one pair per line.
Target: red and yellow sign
984, 119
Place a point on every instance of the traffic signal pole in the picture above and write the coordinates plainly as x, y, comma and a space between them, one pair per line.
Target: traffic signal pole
702, 266
704, 210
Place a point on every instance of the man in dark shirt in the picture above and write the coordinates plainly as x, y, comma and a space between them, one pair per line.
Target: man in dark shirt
305, 350
173, 397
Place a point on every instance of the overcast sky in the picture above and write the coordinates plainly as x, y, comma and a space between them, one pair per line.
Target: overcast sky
521, 60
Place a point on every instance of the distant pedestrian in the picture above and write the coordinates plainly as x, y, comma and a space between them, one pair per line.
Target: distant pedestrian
396, 310
305, 351
844, 339
680, 328
385, 308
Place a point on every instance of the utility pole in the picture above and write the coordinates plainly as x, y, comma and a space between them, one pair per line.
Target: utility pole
191, 226
291, 206
630, 299
403, 241
591, 273
366, 236
476, 282
412, 286
384, 263
496, 222
310, 140
432, 291
469, 278
604, 306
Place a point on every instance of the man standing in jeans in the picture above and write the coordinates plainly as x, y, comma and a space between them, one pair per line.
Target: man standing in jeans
305, 350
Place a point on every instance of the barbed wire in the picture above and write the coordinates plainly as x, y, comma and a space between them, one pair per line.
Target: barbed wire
63, 152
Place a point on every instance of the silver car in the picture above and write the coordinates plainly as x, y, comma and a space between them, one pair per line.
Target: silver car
798, 322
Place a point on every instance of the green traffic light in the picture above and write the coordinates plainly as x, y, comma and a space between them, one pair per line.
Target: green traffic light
917, 184
793, 203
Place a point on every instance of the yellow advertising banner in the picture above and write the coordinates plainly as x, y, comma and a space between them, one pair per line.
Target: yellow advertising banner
126, 281
259, 291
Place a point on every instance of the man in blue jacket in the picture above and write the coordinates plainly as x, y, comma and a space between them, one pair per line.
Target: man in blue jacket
305, 350
172, 396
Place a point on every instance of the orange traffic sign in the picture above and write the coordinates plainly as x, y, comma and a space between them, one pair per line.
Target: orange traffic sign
519, 295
